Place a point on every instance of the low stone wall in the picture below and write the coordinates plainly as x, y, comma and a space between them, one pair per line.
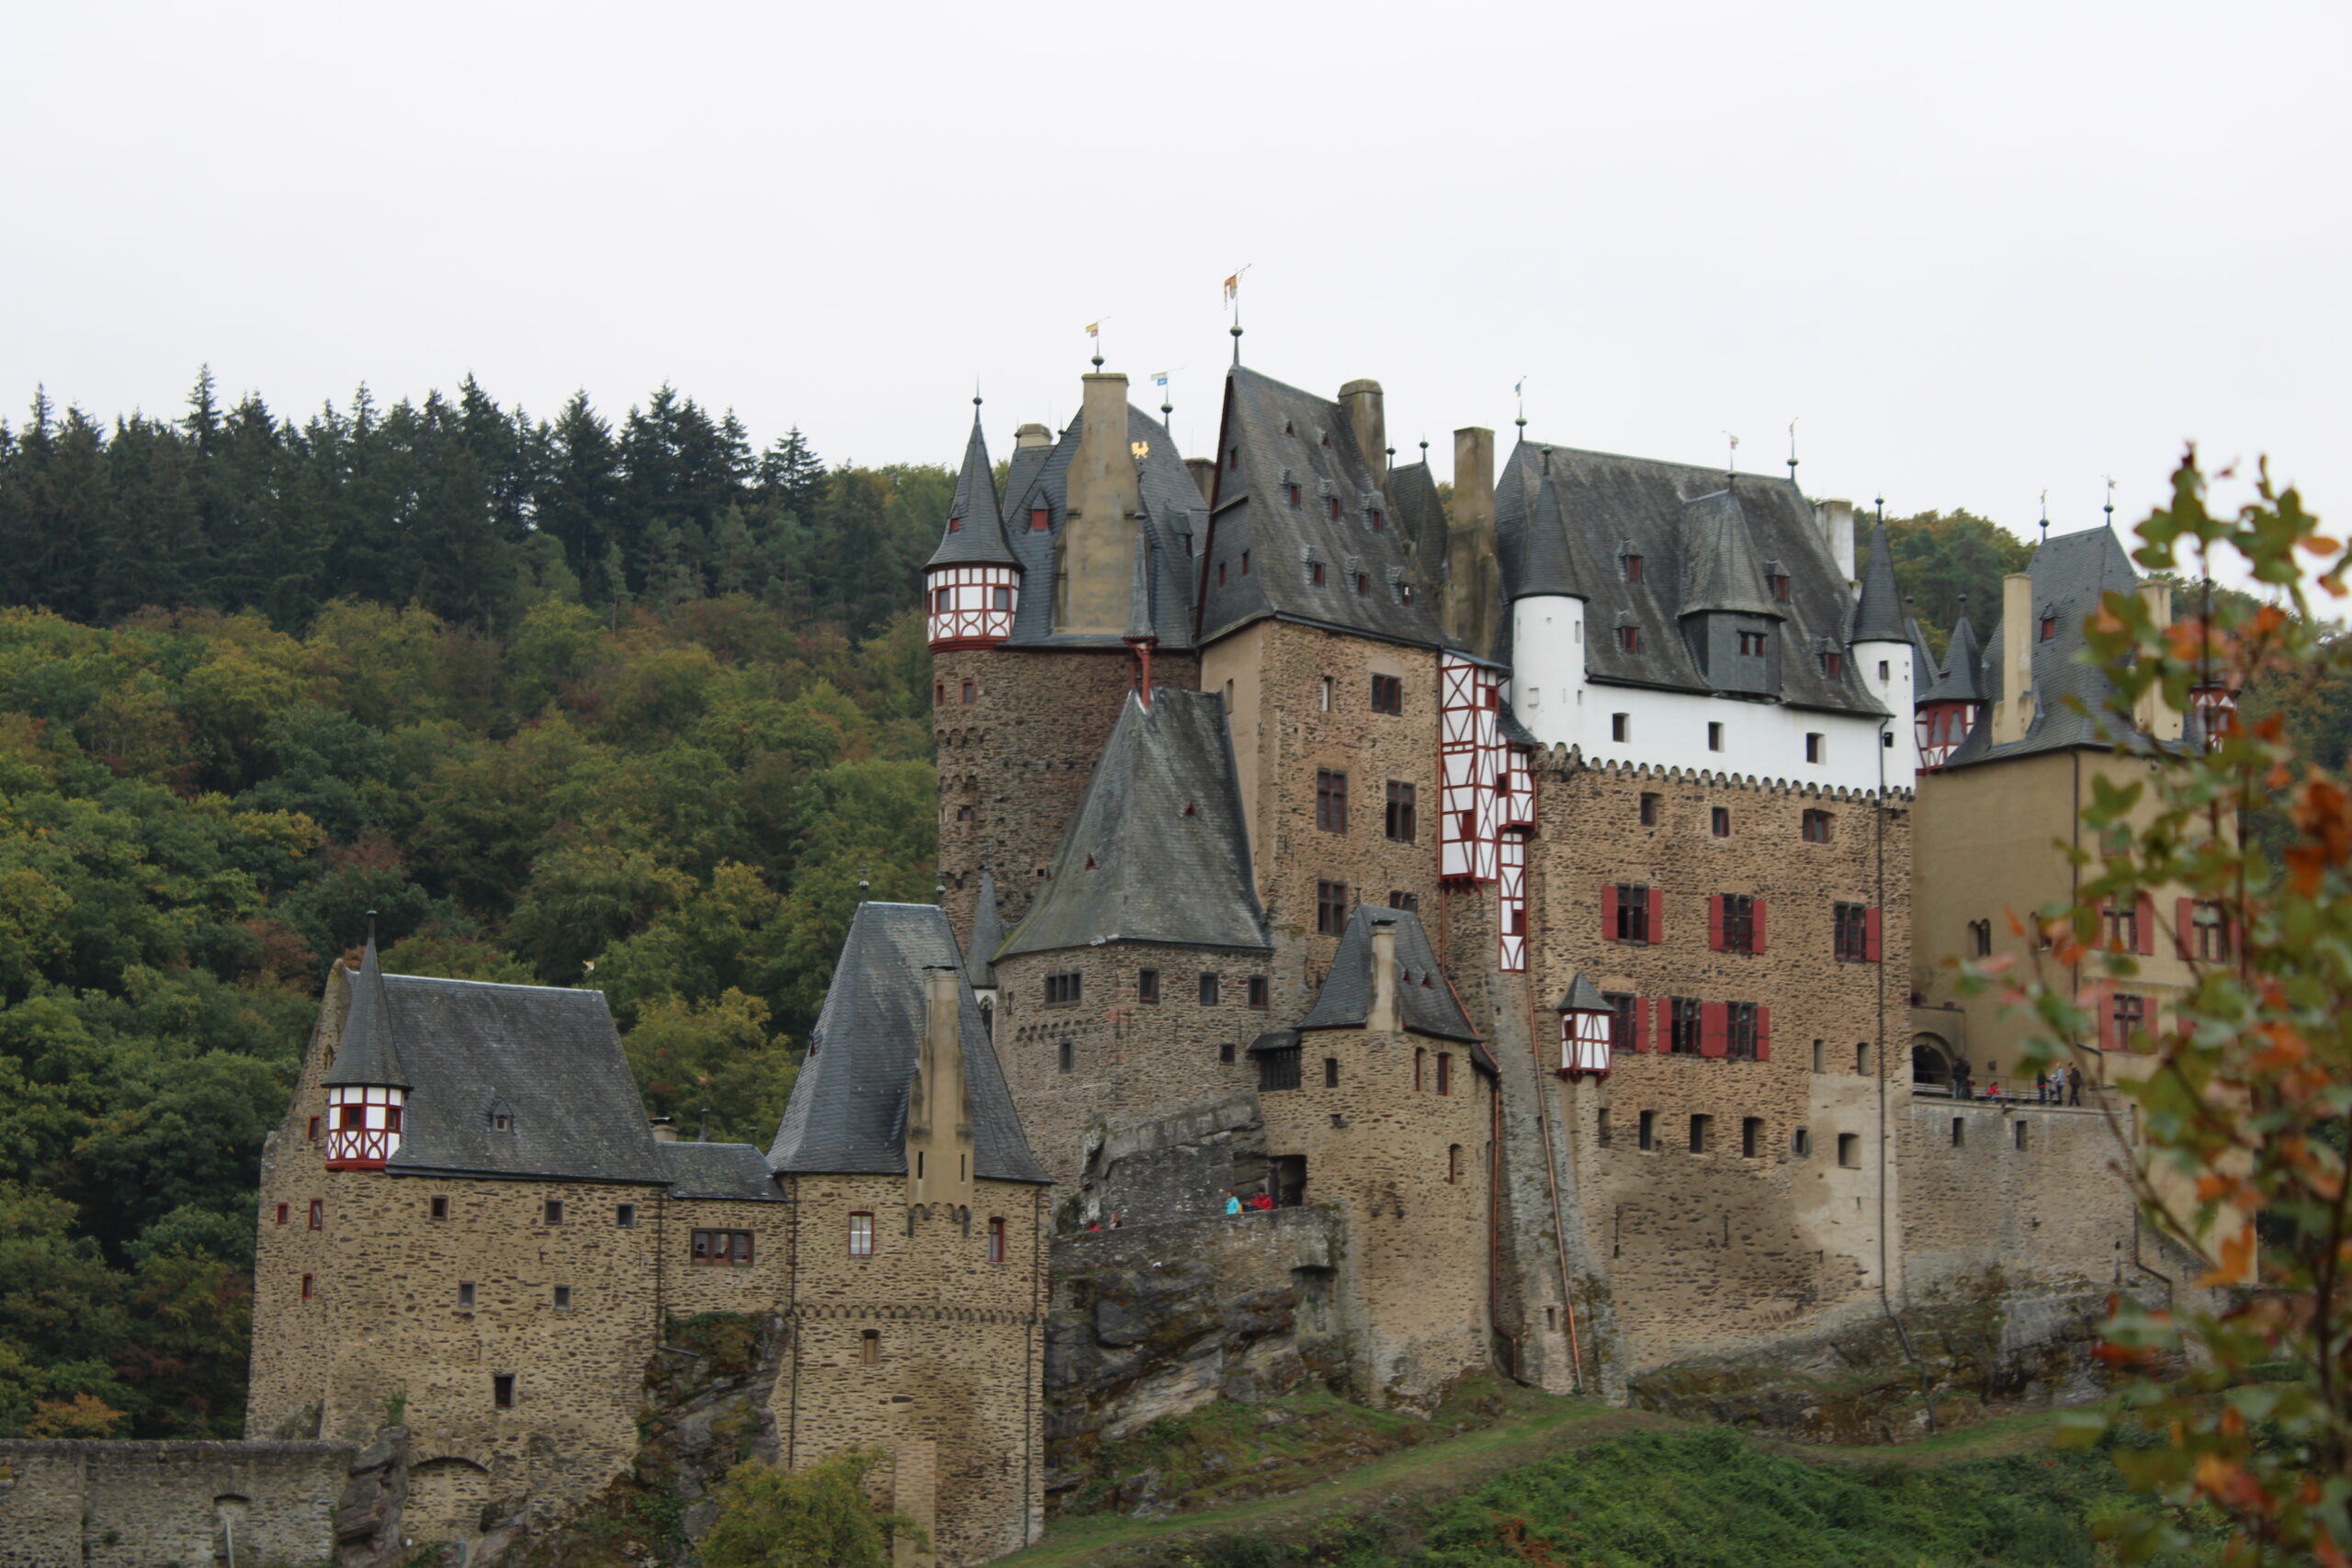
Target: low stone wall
150, 1503
1151, 1321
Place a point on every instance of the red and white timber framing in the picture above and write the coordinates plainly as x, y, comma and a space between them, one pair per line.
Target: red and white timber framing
1583, 1045
1942, 726
971, 606
1470, 769
1510, 903
363, 1126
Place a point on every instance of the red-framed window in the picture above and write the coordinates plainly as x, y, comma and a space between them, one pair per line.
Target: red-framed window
307, 1286
284, 1211
996, 1241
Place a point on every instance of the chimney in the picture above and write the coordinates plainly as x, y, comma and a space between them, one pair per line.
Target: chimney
1473, 588
1031, 436
665, 1129
1835, 520
1091, 573
1203, 472
939, 1118
2014, 713
1382, 1019
1361, 400
2156, 718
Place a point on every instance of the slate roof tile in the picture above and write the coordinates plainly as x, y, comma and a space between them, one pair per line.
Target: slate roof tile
1425, 1001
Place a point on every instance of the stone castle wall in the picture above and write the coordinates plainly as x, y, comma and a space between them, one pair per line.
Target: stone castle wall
2026, 1192
132, 1505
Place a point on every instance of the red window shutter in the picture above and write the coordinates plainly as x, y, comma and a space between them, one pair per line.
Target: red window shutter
1657, 915
1711, 1029
2237, 938
1714, 922
2184, 928
1870, 935
2106, 1030
1763, 1030
1608, 913
1641, 1023
1759, 927
2147, 925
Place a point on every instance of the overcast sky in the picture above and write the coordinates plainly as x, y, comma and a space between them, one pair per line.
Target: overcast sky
1981, 250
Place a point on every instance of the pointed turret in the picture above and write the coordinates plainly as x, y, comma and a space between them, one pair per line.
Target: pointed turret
1547, 610
1546, 569
1954, 701
1878, 613
366, 1087
973, 579
975, 531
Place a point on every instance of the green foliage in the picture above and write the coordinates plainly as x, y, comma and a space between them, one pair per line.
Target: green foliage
815, 1518
1941, 558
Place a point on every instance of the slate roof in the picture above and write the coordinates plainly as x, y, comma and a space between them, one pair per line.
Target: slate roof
1420, 515
974, 530
1608, 501
720, 1170
547, 1058
1720, 573
1961, 680
1582, 995
1286, 438
1424, 1001
1923, 663
1544, 567
365, 1053
987, 934
1156, 851
1174, 519
2069, 574
848, 1111
1878, 612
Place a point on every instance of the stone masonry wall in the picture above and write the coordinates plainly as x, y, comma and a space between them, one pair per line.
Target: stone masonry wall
148, 1503
1709, 1248
2029, 1194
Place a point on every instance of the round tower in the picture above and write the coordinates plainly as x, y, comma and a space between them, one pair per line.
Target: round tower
366, 1090
1884, 651
1547, 617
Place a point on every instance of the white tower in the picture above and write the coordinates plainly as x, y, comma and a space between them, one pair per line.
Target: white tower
1883, 650
1547, 629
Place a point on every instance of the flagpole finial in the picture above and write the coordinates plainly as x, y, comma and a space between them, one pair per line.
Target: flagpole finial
1792, 451
2109, 507
2045, 516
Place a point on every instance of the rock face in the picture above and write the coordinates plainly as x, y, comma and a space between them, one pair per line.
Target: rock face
1153, 1320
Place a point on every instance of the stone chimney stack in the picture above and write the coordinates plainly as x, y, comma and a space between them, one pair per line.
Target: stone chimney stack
1369, 422
1835, 520
1031, 436
939, 1116
1092, 565
2157, 719
1203, 472
2013, 715
1472, 608
1382, 1018
665, 1129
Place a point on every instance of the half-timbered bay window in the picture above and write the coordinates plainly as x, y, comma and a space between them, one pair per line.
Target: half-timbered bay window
363, 1125
735, 1246
971, 606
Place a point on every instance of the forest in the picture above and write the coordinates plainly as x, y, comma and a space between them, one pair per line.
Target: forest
626, 704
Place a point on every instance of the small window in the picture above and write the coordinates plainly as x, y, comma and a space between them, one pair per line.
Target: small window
1066, 1056
1323, 694
1063, 990
1863, 1058
1816, 826
1445, 1072
861, 1236
1220, 574
1960, 1132
1849, 1150
1421, 1064
1816, 747
555, 1211
970, 690
1331, 908
1882, 669
1751, 645
940, 599
1208, 990
625, 1216
284, 1210
2016, 1132
1387, 693
1245, 563
1624, 1020
1403, 822
318, 1213
1278, 1069
502, 1122
1600, 1127
869, 1347
1330, 1072
1224, 1054
1833, 665
501, 1390
1720, 820
939, 694
1685, 1021
963, 814
2129, 1014
1629, 639
1739, 1030
2122, 922
1257, 992
1379, 521
1648, 1134
1849, 933
1781, 589
314, 1130
1040, 519
309, 1285
1801, 1142
1314, 574
563, 1298
1703, 1133
438, 1208
1000, 598
1148, 986
1634, 913
1714, 737
996, 1241
1335, 499
1453, 1163
733, 1247
1980, 939
1293, 493
1633, 568
1331, 801
1820, 1056
1751, 1136
2208, 938
1620, 727
1364, 584
465, 1295
1649, 810
1233, 459
1739, 922
1400, 899
2049, 627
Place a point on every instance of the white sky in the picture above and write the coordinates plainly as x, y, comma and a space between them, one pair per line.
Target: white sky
1982, 249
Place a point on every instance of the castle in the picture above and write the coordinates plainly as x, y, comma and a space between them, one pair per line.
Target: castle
1518, 882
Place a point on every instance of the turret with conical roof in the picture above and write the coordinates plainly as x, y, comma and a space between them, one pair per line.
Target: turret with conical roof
1878, 613
1547, 611
1882, 645
1953, 702
366, 1087
973, 579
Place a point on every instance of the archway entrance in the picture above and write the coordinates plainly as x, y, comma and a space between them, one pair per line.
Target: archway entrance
1929, 1063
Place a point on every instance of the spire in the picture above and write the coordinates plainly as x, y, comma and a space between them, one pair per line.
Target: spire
1962, 680
1878, 613
1545, 567
364, 1055
975, 534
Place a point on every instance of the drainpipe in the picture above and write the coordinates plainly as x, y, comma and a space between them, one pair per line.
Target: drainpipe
1885, 1300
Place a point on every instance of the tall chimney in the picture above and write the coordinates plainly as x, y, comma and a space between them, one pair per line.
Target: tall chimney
1835, 520
1367, 420
1203, 472
2157, 718
1091, 572
939, 1119
2014, 713
1382, 1019
665, 1129
1474, 590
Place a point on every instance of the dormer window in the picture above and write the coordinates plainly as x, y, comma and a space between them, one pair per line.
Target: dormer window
1327, 437
1040, 519
1315, 574
1289, 428
1245, 563
1781, 588
1364, 583
1233, 459
1378, 522
1632, 568
1833, 665
1293, 493
1629, 638
1405, 592
1335, 509
955, 524
2049, 627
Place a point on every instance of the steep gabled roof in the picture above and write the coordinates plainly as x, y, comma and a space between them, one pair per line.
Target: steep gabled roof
987, 934
1720, 571
1425, 1003
1174, 520
545, 1059
365, 1053
1156, 851
2070, 572
1878, 613
1288, 438
848, 1111
975, 531
1613, 502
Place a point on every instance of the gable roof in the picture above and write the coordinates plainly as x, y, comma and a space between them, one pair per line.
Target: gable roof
974, 530
547, 1058
2070, 572
1156, 851
1288, 437
1174, 520
848, 1111
1425, 1002
1612, 504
